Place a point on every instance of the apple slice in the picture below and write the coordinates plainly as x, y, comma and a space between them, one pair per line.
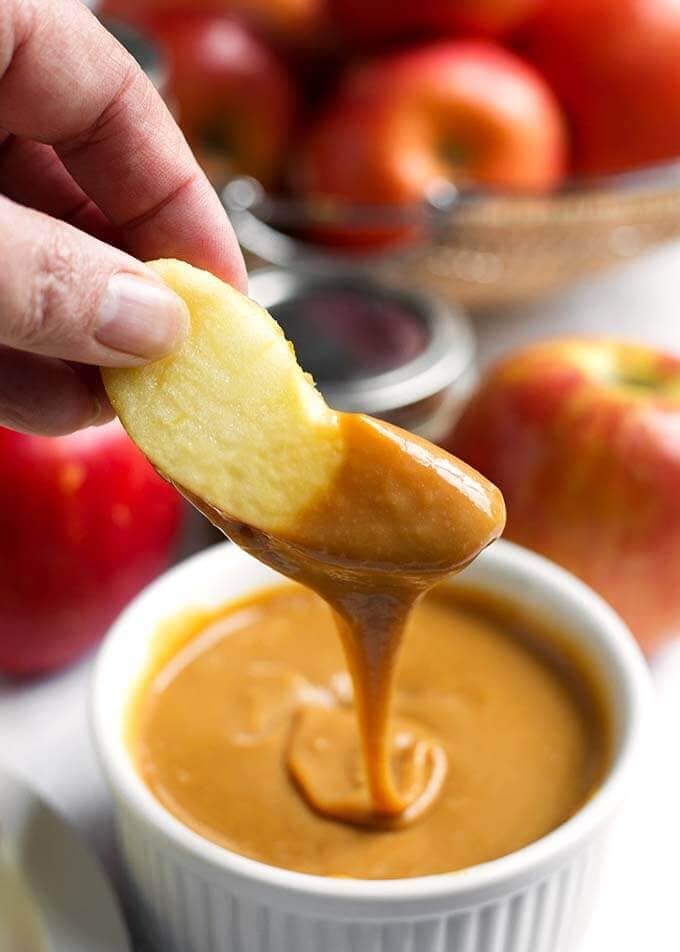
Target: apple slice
230, 416
232, 420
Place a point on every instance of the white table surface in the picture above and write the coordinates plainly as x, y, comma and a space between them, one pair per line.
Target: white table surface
44, 734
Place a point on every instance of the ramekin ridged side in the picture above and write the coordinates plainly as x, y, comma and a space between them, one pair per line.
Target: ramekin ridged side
186, 910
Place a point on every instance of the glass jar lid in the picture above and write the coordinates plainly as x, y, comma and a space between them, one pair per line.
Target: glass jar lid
398, 354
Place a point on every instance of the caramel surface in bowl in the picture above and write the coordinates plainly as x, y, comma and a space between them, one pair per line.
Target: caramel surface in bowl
245, 730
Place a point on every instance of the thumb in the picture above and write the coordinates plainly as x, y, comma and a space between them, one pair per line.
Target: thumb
65, 294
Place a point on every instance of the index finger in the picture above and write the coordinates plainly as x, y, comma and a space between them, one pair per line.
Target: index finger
65, 81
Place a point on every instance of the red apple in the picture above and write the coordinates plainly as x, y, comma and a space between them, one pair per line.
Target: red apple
289, 23
462, 112
235, 101
142, 13
382, 19
85, 523
583, 439
615, 64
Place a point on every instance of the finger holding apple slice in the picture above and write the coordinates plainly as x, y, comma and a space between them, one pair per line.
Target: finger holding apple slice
232, 420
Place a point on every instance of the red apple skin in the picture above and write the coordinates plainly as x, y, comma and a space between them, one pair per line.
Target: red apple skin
385, 19
615, 64
236, 102
467, 112
300, 27
291, 25
589, 468
85, 523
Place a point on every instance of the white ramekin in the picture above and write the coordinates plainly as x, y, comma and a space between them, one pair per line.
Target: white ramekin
198, 897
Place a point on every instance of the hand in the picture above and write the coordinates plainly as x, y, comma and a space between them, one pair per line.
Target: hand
91, 162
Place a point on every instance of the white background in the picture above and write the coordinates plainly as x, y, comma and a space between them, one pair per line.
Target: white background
44, 726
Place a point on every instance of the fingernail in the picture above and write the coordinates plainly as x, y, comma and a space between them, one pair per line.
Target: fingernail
141, 318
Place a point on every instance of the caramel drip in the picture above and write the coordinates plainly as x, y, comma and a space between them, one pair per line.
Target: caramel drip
399, 517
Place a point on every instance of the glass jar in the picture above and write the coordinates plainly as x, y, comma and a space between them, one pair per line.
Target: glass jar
397, 354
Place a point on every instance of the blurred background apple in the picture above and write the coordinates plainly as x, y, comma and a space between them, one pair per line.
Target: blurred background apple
234, 98
85, 523
615, 65
583, 439
446, 113
289, 23
377, 19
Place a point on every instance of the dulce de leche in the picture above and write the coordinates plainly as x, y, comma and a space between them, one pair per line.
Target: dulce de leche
246, 731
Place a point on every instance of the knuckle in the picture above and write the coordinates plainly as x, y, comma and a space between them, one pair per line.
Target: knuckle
134, 85
51, 281
45, 318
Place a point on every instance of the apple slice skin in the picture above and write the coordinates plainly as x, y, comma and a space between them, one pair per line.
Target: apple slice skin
230, 416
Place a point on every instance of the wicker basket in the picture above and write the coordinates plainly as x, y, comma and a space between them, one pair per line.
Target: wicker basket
481, 250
